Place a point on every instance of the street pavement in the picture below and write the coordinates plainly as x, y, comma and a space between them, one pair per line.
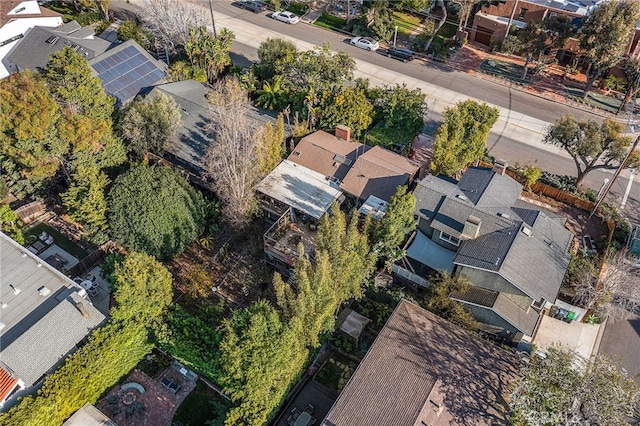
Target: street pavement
516, 137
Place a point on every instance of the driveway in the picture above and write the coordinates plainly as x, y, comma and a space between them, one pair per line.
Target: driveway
621, 340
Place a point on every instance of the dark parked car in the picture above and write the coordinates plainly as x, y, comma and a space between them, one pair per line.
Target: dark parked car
404, 55
254, 6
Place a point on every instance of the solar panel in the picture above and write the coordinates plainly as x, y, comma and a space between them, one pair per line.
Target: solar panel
124, 73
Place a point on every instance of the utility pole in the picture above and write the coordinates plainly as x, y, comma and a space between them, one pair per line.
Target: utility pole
513, 12
395, 35
213, 21
615, 176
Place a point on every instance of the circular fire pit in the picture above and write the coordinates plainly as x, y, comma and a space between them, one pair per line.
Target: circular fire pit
128, 398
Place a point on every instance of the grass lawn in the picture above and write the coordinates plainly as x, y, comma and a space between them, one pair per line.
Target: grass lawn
387, 138
503, 69
407, 23
60, 240
199, 407
595, 99
330, 22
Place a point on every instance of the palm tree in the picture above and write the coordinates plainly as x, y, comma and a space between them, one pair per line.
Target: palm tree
271, 96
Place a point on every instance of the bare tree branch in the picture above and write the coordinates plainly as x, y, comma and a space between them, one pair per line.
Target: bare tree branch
171, 20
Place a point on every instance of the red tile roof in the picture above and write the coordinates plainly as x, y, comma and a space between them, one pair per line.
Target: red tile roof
7, 384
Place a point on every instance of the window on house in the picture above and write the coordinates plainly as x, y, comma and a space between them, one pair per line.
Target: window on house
449, 238
523, 12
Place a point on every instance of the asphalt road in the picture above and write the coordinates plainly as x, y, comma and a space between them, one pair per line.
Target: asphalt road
500, 146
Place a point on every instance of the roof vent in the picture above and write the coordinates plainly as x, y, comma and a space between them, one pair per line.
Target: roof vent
3, 305
296, 153
462, 197
526, 231
39, 265
15, 289
44, 291
24, 254
504, 215
2, 325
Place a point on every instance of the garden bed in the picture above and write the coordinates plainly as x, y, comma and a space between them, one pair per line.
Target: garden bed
336, 372
201, 406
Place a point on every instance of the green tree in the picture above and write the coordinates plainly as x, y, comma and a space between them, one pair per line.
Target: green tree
401, 107
72, 83
377, 21
183, 70
531, 175
397, 222
261, 358
85, 199
154, 210
130, 30
142, 289
29, 117
274, 54
319, 69
547, 393
209, 53
592, 145
148, 124
439, 300
462, 138
349, 106
605, 34
271, 148
314, 301
350, 256
272, 95
11, 224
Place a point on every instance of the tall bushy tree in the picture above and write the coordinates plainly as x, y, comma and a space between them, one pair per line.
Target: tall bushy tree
85, 199
142, 289
592, 145
148, 123
605, 34
29, 117
232, 154
72, 83
462, 138
11, 224
319, 69
271, 146
314, 301
209, 53
261, 358
564, 389
274, 54
349, 106
154, 210
401, 107
350, 255
397, 222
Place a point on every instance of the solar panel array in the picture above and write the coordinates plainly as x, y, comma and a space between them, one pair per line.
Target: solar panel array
124, 73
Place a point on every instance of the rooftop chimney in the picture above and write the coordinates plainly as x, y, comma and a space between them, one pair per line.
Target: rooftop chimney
83, 310
343, 132
471, 228
500, 167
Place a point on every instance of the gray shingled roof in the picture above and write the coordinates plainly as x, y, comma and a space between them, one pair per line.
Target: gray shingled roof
536, 265
37, 46
49, 340
192, 140
418, 362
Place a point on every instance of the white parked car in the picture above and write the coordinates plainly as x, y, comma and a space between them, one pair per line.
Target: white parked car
287, 17
365, 43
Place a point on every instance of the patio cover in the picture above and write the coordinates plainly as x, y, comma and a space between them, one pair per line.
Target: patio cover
431, 254
354, 324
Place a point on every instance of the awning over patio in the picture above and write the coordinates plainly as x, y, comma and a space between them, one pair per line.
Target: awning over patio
431, 254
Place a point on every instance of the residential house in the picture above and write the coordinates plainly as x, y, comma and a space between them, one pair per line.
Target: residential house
294, 199
188, 147
39, 43
16, 18
490, 22
360, 171
424, 370
124, 68
514, 255
44, 316
89, 415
